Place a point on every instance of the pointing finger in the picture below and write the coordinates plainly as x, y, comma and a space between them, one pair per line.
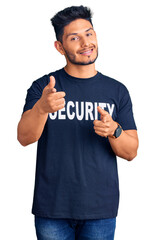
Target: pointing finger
102, 111
54, 90
105, 118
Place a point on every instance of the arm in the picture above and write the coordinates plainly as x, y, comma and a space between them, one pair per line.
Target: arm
32, 122
126, 145
31, 125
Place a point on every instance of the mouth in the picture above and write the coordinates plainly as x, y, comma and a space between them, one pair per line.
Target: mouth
87, 52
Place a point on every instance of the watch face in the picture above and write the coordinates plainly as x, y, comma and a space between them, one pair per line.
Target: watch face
118, 132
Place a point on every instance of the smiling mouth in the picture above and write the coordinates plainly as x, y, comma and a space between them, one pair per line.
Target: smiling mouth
87, 52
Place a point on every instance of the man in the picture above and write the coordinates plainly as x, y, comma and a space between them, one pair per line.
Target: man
82, 120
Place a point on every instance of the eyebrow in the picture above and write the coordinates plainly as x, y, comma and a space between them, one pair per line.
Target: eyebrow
77, 33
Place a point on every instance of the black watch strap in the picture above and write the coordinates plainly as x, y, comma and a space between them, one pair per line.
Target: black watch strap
118, 131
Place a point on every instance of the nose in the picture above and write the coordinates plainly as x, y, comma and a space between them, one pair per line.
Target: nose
85, 42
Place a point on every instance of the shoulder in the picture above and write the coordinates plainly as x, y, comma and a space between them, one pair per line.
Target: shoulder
41, 82
112, 81
114, 85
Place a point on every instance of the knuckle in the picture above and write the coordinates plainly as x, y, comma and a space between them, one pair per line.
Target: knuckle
62, 94
61, 106
51, 104
54, 108
108, 124
105, 131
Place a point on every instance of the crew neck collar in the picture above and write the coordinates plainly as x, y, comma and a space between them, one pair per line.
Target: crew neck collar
79, 79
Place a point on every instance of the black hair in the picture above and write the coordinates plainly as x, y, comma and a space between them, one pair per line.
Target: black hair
69, 14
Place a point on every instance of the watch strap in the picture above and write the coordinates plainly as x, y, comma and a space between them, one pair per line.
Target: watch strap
115, 132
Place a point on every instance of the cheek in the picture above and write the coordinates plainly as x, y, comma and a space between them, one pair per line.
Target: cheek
73, 49
95, 43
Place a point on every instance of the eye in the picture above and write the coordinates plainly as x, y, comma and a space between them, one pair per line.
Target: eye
74, 38
89, 34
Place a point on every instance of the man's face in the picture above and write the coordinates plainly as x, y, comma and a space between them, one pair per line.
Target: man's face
79, 43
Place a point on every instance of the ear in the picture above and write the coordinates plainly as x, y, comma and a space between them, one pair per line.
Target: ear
59, 47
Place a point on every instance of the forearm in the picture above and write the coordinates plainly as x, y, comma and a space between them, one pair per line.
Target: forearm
125, 146
31, 125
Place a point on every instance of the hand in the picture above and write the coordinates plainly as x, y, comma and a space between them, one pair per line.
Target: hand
106, 127
51, 101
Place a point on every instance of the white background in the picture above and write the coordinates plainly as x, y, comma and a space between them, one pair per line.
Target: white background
127, 52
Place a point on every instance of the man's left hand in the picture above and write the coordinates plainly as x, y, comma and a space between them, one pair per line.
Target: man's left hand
106, 126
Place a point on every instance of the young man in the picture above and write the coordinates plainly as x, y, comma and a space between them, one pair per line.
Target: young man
82, 120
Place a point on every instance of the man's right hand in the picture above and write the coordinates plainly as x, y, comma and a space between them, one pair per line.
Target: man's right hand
51, 101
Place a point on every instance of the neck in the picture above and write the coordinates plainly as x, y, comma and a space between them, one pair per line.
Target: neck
81, 71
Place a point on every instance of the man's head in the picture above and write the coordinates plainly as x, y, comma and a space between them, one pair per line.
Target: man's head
76, 38
66, 16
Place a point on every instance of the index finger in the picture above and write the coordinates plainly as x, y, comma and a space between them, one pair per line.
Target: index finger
105, 118
102, 111
50, 90
58, 95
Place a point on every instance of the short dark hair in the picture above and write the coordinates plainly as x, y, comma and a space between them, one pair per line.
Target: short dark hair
69, 14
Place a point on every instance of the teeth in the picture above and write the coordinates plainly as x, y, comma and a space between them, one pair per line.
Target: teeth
87, 51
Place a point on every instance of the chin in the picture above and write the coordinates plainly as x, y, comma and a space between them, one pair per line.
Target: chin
86, 62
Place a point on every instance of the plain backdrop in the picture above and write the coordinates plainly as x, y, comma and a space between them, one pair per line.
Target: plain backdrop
127, 52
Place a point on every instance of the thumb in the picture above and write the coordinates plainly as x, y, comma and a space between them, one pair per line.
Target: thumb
101, 111
52, 82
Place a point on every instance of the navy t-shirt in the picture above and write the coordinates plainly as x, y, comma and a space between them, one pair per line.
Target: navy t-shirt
76, 169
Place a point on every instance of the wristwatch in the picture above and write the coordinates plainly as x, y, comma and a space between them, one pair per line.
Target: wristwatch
117, 132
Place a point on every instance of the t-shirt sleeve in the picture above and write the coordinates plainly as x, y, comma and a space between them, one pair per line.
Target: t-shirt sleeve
125, 113
34, 93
